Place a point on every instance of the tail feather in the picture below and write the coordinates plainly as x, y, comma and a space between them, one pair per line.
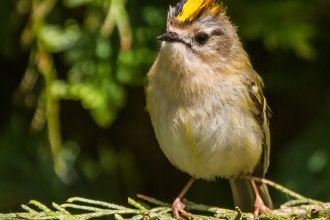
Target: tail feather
244, 196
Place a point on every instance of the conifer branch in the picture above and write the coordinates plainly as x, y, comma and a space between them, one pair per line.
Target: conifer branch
299, 208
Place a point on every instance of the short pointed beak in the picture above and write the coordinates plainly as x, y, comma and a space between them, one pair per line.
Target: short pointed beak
172, 37
169, 36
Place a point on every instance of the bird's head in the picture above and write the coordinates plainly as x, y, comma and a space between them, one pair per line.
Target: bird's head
201, 29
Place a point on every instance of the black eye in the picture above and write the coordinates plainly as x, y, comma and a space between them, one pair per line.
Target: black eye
201, 39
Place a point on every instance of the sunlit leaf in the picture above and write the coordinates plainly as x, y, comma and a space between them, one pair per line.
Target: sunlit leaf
57, 39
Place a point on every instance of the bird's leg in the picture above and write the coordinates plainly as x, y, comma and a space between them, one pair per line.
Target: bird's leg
259, 205
178, 204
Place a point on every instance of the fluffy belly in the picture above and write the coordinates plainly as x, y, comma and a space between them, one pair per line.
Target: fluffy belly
225, 144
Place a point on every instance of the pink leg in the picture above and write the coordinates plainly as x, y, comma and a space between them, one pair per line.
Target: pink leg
178, 204
259, 205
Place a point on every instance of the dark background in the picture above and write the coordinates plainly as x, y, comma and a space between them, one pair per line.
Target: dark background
107, 149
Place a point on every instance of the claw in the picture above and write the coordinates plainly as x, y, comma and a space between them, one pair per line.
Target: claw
178, 207
259, 206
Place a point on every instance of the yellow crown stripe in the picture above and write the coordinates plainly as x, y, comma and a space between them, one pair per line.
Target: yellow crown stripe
192, 8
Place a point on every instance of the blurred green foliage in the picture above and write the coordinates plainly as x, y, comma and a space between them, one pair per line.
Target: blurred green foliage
72, 102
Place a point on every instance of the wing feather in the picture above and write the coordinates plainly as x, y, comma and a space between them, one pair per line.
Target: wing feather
262, 113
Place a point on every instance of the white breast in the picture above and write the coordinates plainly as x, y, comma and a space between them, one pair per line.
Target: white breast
208, 145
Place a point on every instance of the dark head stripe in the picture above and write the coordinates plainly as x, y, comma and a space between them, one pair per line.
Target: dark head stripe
179, 7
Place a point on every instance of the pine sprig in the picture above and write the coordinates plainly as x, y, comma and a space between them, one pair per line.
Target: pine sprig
299, 208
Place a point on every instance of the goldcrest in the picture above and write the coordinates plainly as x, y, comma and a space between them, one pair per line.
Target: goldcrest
207, 105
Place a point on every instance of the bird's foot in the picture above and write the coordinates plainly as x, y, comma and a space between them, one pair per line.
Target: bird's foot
178, 207
260, 207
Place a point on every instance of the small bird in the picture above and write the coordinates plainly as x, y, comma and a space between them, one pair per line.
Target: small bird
207, 106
